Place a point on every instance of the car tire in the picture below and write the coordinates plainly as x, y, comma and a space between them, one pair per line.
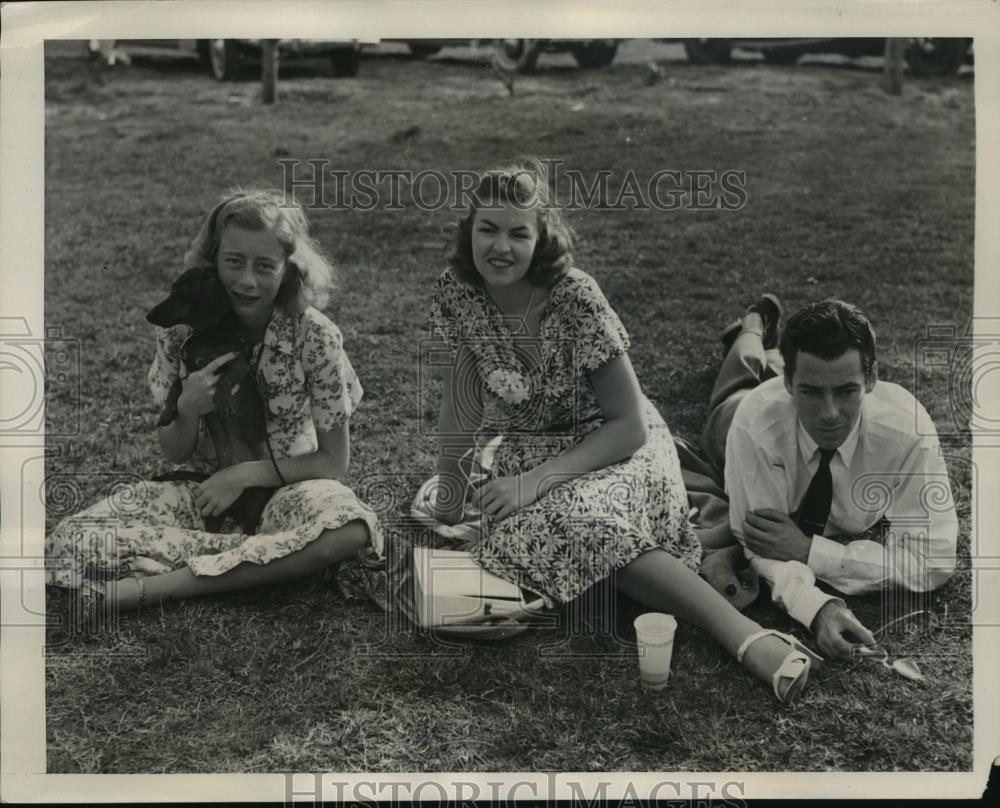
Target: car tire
224, 59
708, 51
935, 58
595, 53
346, 62
204, 53
422, 51
781, 56
516, 55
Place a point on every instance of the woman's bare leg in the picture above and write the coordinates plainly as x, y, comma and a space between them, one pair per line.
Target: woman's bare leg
660, 581
331, 546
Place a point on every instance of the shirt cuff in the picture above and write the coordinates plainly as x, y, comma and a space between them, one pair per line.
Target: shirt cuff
807, 605
825, 557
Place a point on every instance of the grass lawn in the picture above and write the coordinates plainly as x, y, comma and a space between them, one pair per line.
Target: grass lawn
849, 192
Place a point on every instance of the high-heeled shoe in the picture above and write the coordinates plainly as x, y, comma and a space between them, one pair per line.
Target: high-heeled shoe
793, 673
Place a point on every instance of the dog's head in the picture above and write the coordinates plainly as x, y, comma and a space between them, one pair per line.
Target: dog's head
196, 299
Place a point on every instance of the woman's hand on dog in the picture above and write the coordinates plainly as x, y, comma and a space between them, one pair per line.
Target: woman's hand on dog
198, 389
220, 490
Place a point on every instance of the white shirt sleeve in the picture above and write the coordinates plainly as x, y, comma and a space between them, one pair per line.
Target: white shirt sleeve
753, 483
793, 588
919, 550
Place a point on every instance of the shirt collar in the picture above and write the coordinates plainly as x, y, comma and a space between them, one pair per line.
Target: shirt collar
280, 333
808, 448
850, 443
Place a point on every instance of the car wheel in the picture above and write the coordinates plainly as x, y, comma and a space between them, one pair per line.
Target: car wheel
596, 53
934, 58
422, 51
204, 48
708, 51
781, 56
346, 62
516, 55
224, 59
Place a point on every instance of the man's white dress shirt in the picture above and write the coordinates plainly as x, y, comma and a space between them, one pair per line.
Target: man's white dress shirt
890, 465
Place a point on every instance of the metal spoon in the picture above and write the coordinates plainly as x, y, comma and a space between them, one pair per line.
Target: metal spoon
904, 667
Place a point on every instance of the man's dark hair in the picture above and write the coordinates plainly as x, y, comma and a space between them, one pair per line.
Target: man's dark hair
828, 329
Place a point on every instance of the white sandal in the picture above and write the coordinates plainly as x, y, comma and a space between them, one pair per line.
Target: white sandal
791, 676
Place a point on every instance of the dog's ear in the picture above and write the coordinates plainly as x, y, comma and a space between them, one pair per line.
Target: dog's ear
196, 298
212, 302
170, 311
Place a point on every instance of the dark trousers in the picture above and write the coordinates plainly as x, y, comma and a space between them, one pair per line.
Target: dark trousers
746, 365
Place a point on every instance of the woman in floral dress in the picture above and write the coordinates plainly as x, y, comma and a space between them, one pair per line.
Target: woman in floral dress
156, 547
585, 483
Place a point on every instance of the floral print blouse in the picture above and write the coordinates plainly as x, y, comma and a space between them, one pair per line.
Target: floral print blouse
303, 375
538, 385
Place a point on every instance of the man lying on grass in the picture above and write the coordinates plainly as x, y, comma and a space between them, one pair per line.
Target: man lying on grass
816, 450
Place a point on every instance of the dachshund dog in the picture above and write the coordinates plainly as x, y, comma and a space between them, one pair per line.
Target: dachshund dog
237, 424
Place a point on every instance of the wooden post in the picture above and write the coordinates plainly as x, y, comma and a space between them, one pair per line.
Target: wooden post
893, 75
269, 71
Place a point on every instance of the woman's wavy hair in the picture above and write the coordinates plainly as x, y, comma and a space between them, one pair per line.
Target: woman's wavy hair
523, 184
309, 276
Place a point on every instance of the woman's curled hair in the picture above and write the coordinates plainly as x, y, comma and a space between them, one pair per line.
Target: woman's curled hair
522, 184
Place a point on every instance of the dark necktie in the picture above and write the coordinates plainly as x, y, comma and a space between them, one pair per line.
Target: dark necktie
816, 503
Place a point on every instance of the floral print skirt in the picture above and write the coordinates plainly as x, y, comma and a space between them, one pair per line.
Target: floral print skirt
160, 529
587, 527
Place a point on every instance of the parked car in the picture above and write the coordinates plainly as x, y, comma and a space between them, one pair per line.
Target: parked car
227, 58
926, 57
521, 55
428, 47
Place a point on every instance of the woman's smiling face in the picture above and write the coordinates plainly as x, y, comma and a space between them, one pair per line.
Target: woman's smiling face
503, 243
251, 266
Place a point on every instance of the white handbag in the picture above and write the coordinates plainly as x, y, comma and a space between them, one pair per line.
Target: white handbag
452, 590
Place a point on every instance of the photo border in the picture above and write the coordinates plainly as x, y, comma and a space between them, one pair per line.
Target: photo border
27, 25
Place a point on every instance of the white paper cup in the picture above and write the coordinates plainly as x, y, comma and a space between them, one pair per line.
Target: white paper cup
655, 635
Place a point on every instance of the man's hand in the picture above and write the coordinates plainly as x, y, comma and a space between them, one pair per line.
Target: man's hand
773, 534
838, 631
